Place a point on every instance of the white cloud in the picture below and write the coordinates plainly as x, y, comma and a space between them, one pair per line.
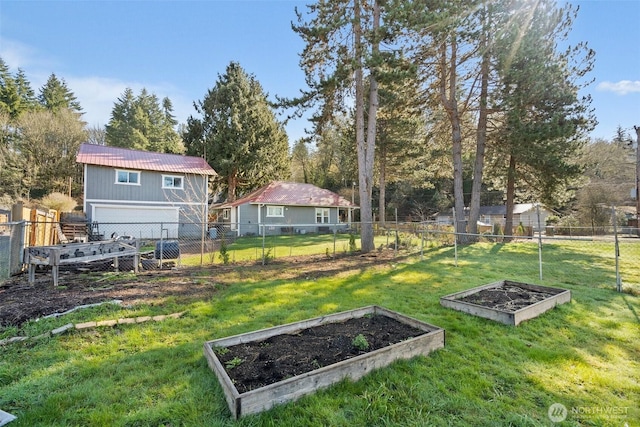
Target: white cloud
15, 54
622, 87
97, 96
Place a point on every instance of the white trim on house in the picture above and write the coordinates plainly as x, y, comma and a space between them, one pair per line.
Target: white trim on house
142, 202
84, 186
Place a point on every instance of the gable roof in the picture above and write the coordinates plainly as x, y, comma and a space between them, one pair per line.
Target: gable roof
292, 194
125, 158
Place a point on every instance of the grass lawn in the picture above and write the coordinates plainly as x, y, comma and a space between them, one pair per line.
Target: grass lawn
279, 246
584, 354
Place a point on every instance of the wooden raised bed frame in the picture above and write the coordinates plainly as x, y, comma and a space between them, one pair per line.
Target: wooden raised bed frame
503, 316
291, 389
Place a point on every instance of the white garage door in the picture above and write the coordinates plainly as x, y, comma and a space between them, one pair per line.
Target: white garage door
139, 222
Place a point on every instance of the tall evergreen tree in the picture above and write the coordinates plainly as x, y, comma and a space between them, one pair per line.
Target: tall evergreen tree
142, 123
343, 59
10, 100
401, 136
238, 134
55, 96
445, 48
545, 121
25, 92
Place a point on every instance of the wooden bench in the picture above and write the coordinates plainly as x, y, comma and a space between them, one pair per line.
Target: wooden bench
73, 253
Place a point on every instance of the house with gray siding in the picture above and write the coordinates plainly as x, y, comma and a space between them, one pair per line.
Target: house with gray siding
144, 194
286, 208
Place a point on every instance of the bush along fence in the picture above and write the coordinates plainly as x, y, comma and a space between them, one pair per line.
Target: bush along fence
99, 247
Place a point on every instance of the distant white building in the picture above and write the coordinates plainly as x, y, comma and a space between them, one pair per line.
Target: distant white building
523, 213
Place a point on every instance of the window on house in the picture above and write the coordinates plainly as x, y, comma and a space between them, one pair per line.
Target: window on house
226, 213
127, 177
275, 211
170, 181
322, 215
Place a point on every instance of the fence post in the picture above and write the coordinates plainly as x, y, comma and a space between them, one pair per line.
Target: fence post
455, 238
617, 248
421, 245
539, 240
263, 242
335, 235
395, 251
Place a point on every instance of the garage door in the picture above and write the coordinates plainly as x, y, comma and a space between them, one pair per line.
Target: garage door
139, 222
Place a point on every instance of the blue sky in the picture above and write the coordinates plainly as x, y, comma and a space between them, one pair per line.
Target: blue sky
178, 48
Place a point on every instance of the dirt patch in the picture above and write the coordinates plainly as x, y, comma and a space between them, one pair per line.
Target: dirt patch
21, 301
508, 297
260, 363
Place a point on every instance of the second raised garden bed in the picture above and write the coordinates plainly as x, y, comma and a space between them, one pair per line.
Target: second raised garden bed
506, 301
328, 349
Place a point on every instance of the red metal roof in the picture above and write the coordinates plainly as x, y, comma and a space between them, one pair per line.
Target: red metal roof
292, 194
141, 160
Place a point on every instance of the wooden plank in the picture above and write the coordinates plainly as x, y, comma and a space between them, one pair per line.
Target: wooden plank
534, 310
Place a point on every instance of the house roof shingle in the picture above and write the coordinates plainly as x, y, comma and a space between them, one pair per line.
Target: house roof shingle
292, 194
142, 160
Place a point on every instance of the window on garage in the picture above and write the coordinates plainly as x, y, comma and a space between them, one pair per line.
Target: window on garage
173, 182
127, 177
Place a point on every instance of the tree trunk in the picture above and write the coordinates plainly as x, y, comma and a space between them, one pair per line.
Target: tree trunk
511, 190
365, 146
382, 183
637, 129
232, 183
448, 75
481, 133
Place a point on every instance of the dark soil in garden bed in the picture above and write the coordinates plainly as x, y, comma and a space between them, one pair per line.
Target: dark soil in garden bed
21, 301
508, 297
260, 363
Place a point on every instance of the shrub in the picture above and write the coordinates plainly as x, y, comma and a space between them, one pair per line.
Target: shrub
59, 202
352, 243
224, 252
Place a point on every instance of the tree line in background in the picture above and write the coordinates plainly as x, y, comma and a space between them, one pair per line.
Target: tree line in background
417, 107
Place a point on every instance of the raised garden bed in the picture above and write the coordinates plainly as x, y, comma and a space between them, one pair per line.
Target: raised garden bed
506, 301
260, 369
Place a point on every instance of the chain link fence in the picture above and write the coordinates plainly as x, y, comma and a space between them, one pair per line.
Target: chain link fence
543, 253
108, 247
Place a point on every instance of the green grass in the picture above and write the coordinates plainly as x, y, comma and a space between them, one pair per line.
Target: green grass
584, 354
280, 246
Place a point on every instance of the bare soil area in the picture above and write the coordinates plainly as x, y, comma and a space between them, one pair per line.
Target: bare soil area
260, 363
21, 301
508, 297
